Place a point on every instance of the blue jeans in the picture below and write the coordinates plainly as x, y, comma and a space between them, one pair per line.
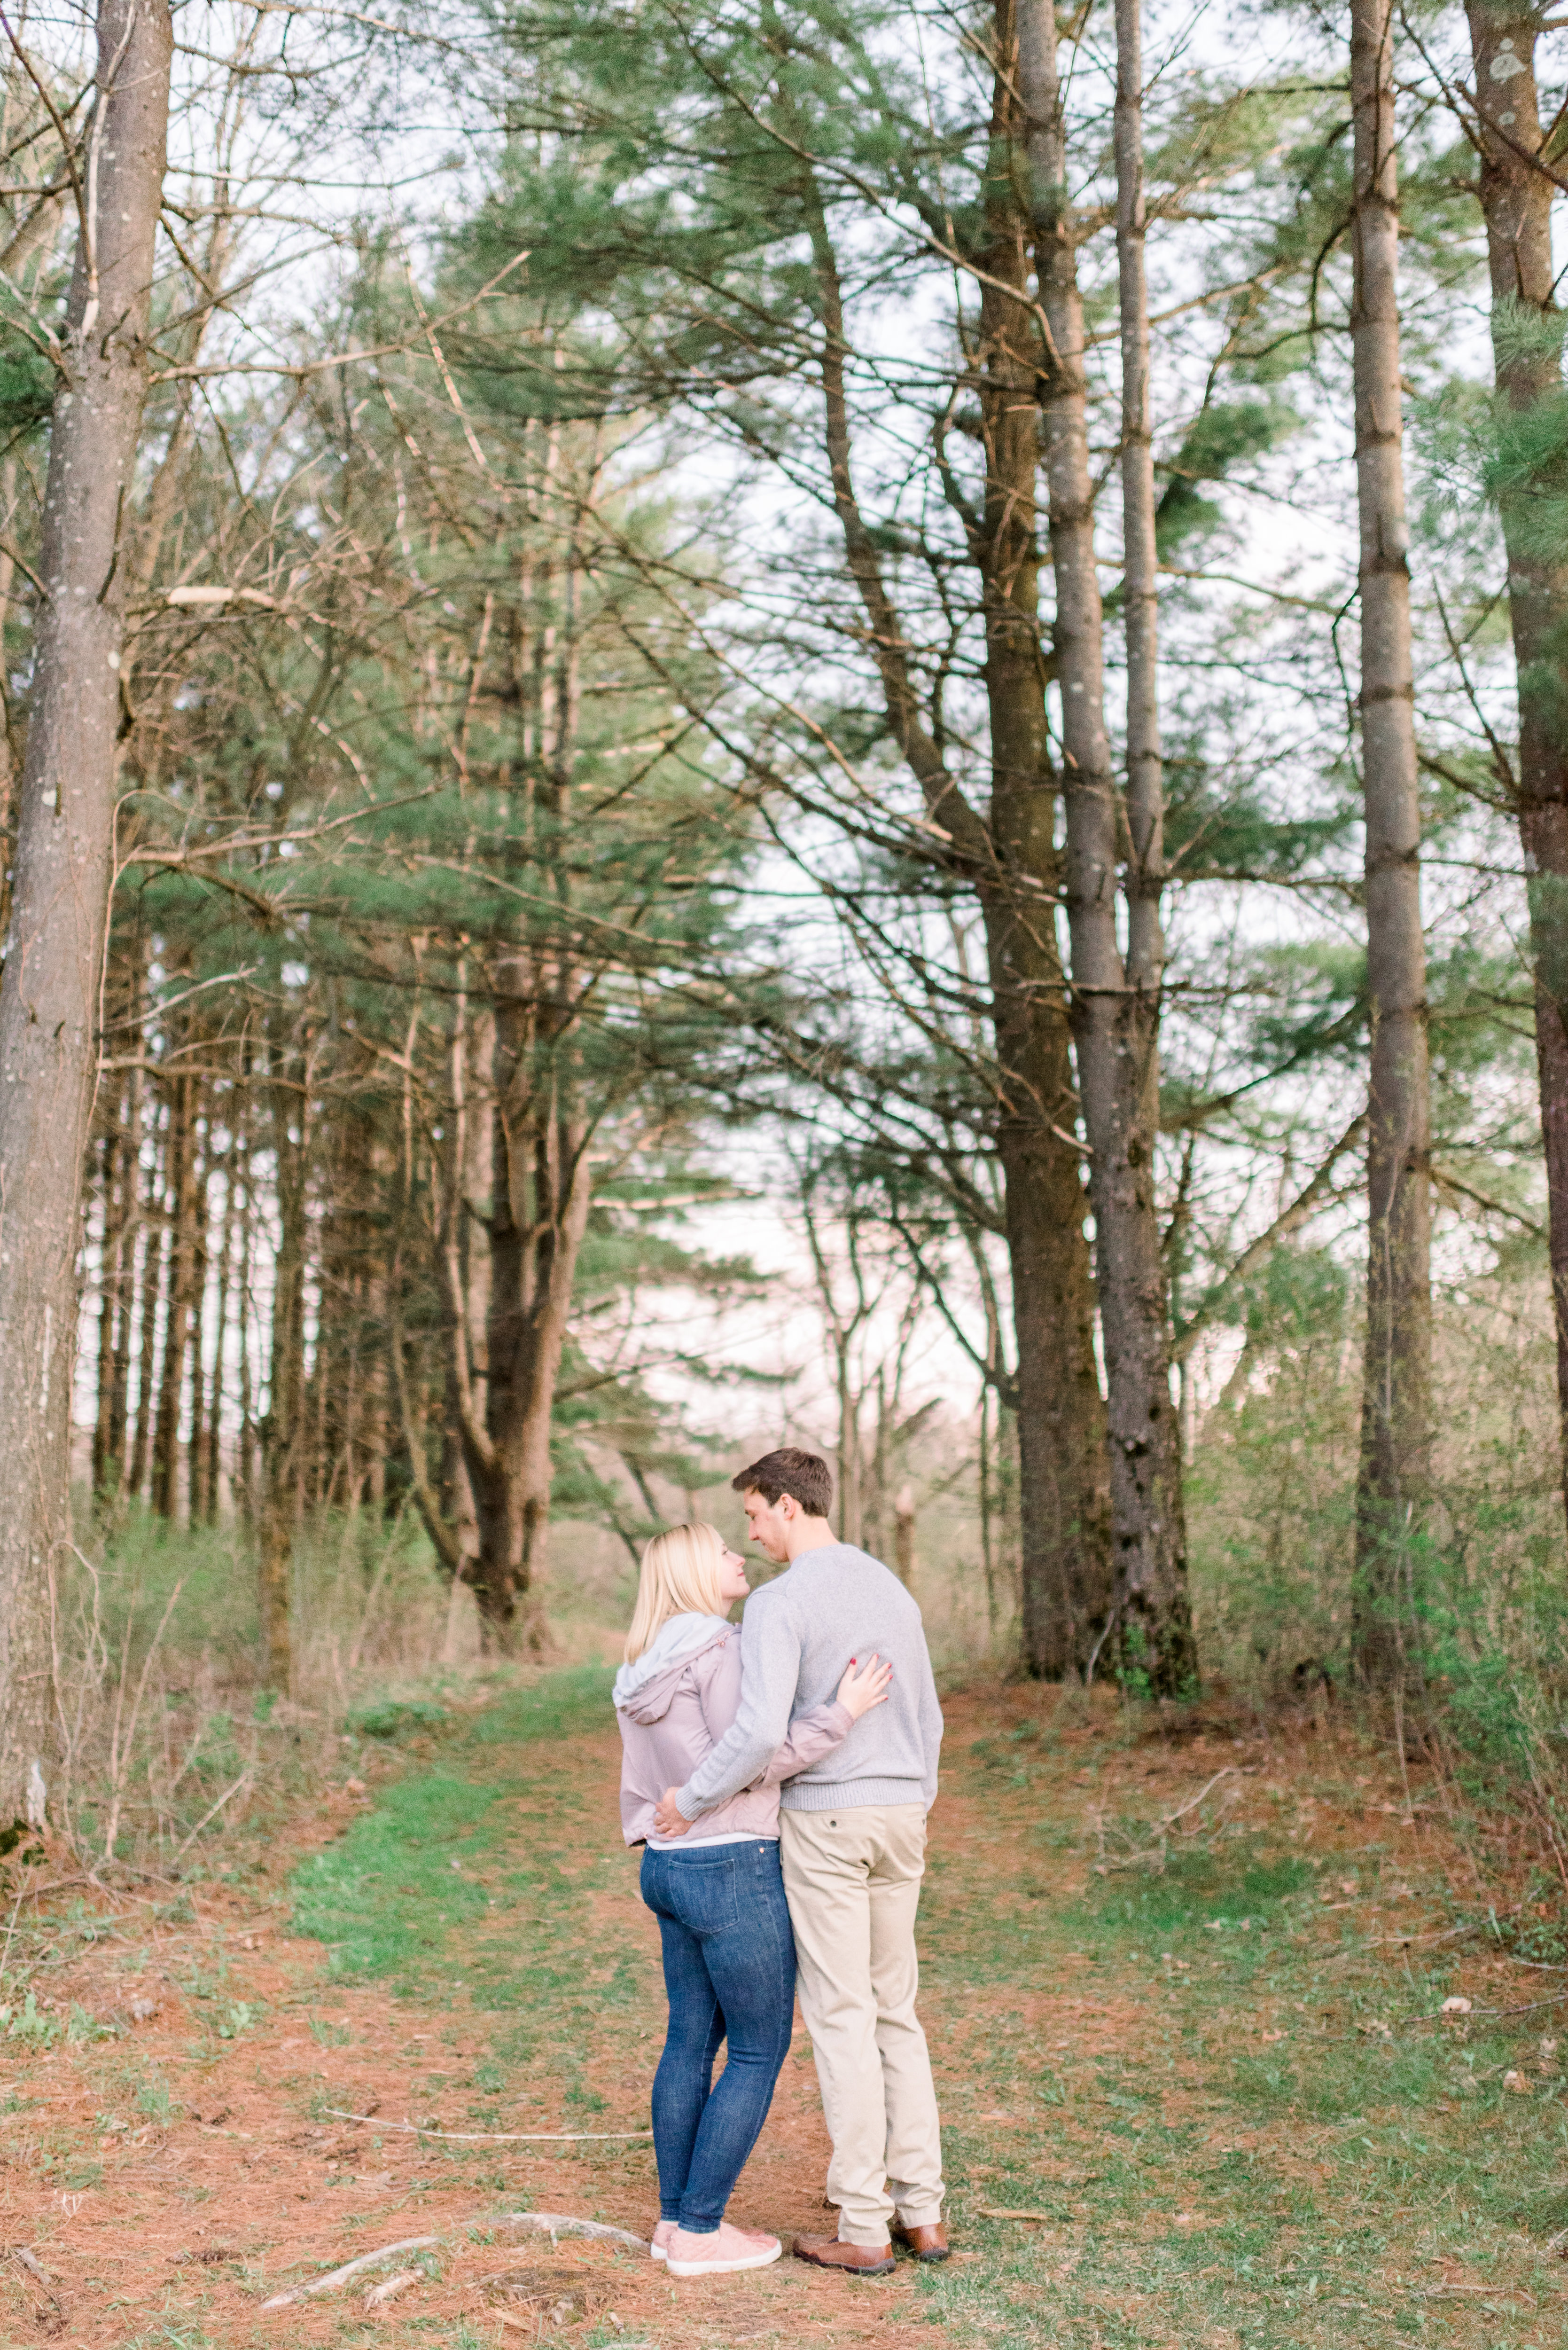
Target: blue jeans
729, 1969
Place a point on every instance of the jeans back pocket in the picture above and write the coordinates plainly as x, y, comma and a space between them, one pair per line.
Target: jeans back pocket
700, 1890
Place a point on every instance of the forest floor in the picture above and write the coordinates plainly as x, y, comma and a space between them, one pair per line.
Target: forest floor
1219, 2101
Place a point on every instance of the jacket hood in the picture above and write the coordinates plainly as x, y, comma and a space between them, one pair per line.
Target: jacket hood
644, 1689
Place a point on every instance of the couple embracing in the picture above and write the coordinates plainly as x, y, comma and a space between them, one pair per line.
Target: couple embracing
780, 1777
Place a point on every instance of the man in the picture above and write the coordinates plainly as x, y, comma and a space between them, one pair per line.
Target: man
852, 1834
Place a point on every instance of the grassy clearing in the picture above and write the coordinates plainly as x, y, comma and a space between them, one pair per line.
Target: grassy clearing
1216, 2076
1213, 2083
1268, 2144
477, 1871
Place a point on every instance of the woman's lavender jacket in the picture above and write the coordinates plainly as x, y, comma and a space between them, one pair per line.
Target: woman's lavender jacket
671, 1723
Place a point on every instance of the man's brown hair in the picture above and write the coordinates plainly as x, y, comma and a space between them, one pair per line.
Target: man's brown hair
789, 1471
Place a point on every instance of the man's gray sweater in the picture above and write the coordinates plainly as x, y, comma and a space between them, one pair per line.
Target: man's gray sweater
797, 1635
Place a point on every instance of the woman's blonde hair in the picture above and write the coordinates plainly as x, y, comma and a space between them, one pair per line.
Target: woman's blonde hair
680, 1572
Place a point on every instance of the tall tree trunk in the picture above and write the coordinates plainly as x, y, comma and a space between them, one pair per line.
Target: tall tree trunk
177, 1322
112, 1167
154, 1263
207, 1438
539, 1193
379, 1433
200, 1267
125, 1321
1140, 575
1012, 865
1114, 1011
25, 257
538, 1216
7, 756
284, 1427
472, 1159
1395, 1395
53, 964
1067, 1592
1516, 197
245, 1383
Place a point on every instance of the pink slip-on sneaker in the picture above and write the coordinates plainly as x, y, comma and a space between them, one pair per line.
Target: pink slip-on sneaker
723, 2254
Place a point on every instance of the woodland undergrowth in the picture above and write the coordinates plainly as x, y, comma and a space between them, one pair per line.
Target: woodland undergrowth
174, 1756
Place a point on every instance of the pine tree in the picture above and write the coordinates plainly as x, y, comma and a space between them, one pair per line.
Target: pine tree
1114, 1002
49, 998
1396, 1433
1517, 187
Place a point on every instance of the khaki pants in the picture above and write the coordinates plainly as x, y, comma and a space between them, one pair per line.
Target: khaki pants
853, 1878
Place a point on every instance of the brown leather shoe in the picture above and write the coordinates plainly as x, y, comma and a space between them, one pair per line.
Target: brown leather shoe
926, 2243
856, 2259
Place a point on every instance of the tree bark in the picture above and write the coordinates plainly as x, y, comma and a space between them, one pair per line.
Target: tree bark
207, 1436
1396, 1383
197, 1336
1067, 1594
181, 1276
245, 1398
1140, 573
113, 1165
1114, 1011
538, 1216
504, 1368
7, 756
125, 1279
534, 1225
1012, 865
1516, 196
283, 1427
155, 1260
54, 965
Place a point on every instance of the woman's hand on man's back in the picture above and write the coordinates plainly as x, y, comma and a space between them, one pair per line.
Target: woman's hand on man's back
865, 1685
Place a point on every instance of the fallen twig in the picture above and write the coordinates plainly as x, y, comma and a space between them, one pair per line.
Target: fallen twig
557, 2223
489, 2138
542, 2223
522, 2326
1154, 1854
243, 1780
390, 2287
1438, 2015
996, 2211
1447, 1934
346, 2275
1531, 2005
35, 2268
11, 1927
1171, 1817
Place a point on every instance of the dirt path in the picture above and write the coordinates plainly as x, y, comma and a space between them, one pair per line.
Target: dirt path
1209, 2086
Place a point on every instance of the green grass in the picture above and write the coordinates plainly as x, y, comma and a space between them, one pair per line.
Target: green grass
1100, 2043
509, 1925
386, 1898
1203, 2187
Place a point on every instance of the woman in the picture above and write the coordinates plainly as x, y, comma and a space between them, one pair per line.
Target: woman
718, 1892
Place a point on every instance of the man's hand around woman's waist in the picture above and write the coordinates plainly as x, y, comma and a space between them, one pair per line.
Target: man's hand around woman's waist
667, 1819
